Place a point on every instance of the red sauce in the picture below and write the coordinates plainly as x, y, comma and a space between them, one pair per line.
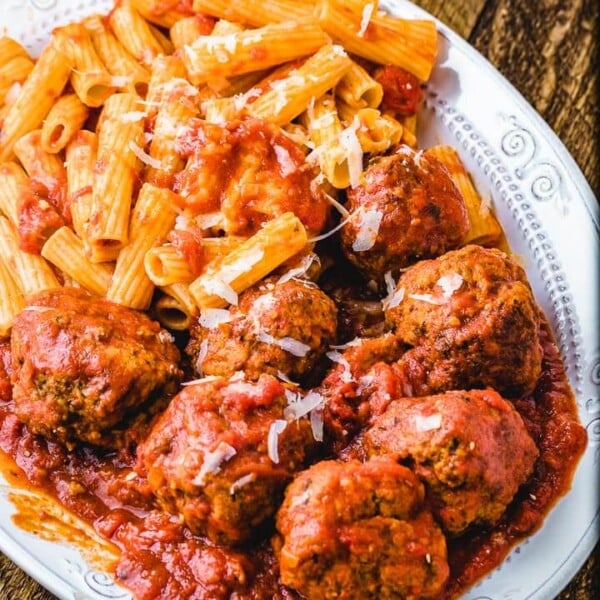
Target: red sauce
401, 90
160, 558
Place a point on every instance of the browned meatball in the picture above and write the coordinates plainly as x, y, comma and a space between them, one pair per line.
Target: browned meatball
471, 449
358, 531
359, 386
83, 366
473, 322
277, 327
406, 209
222, 454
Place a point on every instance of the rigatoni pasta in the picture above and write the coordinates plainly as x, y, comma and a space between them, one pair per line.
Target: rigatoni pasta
152, 219
115, 173
64, 120
11, 299
40, 90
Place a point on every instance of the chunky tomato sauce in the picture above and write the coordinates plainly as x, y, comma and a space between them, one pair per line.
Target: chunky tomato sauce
160, 558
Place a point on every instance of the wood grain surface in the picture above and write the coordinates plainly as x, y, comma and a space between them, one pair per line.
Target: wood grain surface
549, 50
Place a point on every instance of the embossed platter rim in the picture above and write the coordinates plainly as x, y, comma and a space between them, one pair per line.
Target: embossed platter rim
540, 197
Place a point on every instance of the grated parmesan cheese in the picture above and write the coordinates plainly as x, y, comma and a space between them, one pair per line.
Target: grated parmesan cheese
144, 156
132, 116
353, 151
211, 318
301, 270
206, 379
288, 344
428, 423
426, 298
238, 484
369, 222
336, 357
450, 283
367, 13
277, 427
395, 294
299, 406
216, 286
316, 424
213, 462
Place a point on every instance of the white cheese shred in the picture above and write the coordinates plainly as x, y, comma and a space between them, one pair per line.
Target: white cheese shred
275, 430
213, 461
288, 344
299, 406
428, 423
369, 222
144, 156
238, 484
450, 283
211, 318
336, 357
367, 13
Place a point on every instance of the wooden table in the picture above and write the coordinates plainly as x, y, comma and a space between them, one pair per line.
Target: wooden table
547, 50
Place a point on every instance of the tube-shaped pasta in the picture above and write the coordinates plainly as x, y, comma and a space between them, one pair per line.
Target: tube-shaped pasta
410, 44
81, 158
64, 120
176, 308
189, 29
67, 252
38, 94
358, 89
152, 219
164, 265
247, 11
10, 49
90, 79
31, 272
14, 186
409, 130
292, 95
13, 71
325, 128
221, 282
134, 33
163, 69
11, 299
114, 176
128, 74
485, 229
218, 56
375, 132
156, 12
178, 105
44, 168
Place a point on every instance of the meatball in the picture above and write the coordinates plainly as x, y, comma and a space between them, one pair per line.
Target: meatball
222, 454
358, 531
406, 209
472, 321
82, 367
470, 448
361, 385
276, 327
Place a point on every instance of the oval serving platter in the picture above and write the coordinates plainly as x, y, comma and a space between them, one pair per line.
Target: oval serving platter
551, 220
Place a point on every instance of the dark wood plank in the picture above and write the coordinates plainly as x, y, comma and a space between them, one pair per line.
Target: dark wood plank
550, 51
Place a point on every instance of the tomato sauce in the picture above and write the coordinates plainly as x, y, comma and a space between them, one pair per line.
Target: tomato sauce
160, 558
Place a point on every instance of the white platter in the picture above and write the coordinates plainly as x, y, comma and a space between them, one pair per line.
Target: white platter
551, 218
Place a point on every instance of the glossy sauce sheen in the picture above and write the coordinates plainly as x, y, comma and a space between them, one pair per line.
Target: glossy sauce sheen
160, 558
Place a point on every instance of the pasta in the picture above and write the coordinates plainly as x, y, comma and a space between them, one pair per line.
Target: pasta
64, 120
113, 182
11, 299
